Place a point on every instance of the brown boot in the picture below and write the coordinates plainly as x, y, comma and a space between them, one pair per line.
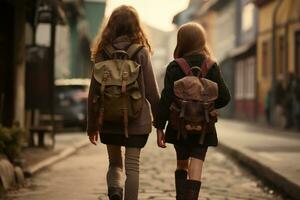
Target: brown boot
180, 180
192, 190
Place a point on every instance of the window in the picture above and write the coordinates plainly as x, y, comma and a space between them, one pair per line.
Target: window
297, 52
281, 53
239, 83
250, 78
43, 34
248, 16
265, 59
245, 79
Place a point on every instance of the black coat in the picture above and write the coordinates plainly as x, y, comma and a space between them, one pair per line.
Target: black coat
175, 73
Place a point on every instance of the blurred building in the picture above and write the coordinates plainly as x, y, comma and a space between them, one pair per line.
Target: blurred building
19, 20
36, 45
159, 42
244, 55
278, 53
85, 18
12, 60
188, 14
223, 37
249, 39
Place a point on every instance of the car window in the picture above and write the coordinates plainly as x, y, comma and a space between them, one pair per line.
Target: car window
66, 95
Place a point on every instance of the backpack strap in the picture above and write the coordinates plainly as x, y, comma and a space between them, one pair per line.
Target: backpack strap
133, 49
184, 65
109, 50
206, 66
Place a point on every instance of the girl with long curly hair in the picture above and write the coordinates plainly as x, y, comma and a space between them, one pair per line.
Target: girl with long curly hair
123, 30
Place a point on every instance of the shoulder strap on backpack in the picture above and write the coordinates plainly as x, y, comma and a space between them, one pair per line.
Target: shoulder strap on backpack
184, 65
109, 50
206, 66
133, 49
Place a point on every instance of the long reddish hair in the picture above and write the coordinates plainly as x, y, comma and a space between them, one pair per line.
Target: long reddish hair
191, 39
124, 21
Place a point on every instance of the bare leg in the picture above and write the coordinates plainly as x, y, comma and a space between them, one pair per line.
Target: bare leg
195, 169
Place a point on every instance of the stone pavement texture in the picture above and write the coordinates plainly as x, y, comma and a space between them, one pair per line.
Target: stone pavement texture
39, 158
82, 177
272, 154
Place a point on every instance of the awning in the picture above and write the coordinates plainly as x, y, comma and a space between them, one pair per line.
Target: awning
205, 8
242, 49
58, 5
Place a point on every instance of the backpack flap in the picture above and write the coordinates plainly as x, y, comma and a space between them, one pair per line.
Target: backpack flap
191, 88
115, 69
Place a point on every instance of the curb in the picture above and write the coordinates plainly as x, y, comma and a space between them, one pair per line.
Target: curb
31, 170
288, 187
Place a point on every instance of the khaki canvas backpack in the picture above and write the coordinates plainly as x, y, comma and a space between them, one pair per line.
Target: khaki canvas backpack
120, 99
192, 111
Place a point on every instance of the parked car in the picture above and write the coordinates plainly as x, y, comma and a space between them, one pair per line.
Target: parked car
71, 101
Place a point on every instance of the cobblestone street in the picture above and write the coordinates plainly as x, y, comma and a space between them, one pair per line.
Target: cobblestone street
82, 177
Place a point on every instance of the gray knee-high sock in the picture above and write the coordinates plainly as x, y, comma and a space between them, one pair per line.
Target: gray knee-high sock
132, 159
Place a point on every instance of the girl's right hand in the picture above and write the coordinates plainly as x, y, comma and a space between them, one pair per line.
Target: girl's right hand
94, 137
161, 138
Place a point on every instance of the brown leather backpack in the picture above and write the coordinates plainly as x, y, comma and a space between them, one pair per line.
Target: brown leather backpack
193, 111
121, 98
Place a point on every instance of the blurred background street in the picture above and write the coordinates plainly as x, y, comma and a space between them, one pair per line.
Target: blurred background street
45, 71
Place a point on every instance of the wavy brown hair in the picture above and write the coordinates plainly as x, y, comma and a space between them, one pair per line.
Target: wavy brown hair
124, 21
191, 40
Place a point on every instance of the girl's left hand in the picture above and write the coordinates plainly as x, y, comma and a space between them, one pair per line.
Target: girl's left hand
94, 137
161, 138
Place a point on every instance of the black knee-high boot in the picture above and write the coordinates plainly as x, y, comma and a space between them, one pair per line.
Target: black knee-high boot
115, 193
180, 180
192, 190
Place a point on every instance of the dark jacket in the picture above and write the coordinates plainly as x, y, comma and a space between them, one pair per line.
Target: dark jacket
143, 124
175, 73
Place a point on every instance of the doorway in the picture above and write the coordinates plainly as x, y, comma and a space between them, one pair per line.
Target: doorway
6, 64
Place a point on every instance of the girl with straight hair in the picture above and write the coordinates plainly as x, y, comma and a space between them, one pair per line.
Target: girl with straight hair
192, 46
121, 32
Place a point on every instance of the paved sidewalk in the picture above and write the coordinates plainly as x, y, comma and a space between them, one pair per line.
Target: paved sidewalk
82, 176
40, 158
272, 154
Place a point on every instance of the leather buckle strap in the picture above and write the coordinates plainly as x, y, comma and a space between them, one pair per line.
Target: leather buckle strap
124, 82
124, 97
102, 90
126, 122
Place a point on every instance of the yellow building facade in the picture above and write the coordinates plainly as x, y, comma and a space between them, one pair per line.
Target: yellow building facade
287, 33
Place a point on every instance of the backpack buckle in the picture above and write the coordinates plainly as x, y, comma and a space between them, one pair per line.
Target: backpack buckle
106, 75
125, 76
